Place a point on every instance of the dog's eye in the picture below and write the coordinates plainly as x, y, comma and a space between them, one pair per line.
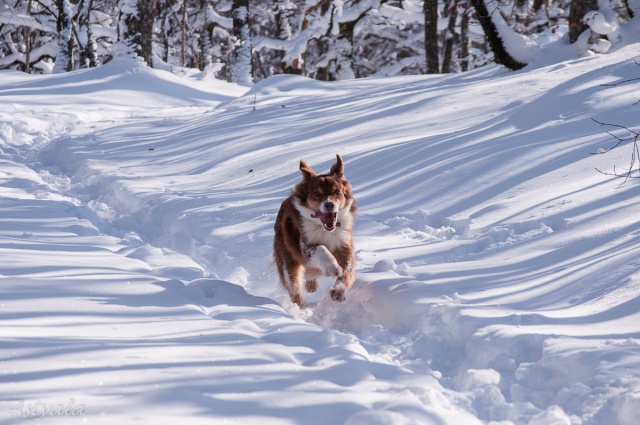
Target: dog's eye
317, 194
337, 192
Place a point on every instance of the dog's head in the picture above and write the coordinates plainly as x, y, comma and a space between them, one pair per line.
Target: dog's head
325, 194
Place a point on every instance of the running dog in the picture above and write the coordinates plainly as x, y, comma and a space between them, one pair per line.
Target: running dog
313, 233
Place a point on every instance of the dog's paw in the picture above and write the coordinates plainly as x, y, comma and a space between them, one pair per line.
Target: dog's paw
311, 286
333, 270
338, 292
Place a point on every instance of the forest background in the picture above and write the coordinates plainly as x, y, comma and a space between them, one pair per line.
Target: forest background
245, 41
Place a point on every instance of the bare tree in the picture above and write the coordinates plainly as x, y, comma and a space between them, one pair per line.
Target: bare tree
450, 37
431, 36
465, 43
632, 136
627, 135
27, 39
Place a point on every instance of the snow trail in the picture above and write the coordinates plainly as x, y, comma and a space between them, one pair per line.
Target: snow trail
497, 276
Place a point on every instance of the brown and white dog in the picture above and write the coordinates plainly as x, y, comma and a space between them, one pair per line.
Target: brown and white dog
314, 235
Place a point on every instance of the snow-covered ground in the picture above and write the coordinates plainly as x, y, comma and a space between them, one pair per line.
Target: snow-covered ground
498, 274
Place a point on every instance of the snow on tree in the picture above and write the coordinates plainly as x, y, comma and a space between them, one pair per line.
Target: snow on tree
322, 39
28, 36
337, 39
89, 54
66, 40
284, 13
216, 41
135, 29
603, 22
510, 49
579, 8
242, 68
89, 57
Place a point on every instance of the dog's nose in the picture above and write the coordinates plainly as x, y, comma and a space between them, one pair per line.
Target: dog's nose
329, 206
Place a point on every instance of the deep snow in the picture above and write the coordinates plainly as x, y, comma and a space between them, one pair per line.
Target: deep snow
498, 278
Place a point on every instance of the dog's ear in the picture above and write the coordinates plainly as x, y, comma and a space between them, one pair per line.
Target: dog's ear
307, 172
337, 169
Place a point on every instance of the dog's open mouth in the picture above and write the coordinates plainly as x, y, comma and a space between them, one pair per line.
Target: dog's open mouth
329, 219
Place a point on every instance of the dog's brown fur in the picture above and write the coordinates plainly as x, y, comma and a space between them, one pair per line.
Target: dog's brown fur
309, 241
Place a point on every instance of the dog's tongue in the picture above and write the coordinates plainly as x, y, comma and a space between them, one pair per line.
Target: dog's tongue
328, 219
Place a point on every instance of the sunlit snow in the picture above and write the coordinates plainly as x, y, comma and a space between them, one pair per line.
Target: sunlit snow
498, 278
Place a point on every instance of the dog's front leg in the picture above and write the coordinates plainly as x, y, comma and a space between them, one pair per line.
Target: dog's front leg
319, 257
346, 260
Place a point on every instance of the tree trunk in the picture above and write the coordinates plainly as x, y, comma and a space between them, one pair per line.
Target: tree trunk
450, 38
242, 68
495, 41
344, 46
431, 35
465, 43
537, 5
283, 12
579, 8
183, 40
136, 27
66, 41
88, 54
628, 8
27, 39
90, 50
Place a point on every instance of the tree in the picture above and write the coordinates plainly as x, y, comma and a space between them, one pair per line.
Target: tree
27, 39
341, 62
465, 43
88, 54
502, 56
135, 28
321, 39
450, 37
242, 68
66, 40
431, 36
579, 8
284, 12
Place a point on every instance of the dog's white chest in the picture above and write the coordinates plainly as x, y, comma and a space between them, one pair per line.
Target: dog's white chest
313, 232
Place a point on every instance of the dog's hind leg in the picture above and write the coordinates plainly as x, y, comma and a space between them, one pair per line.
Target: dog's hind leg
291, 277
311, 276
294, 286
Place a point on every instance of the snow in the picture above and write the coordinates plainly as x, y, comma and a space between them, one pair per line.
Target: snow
498, 280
